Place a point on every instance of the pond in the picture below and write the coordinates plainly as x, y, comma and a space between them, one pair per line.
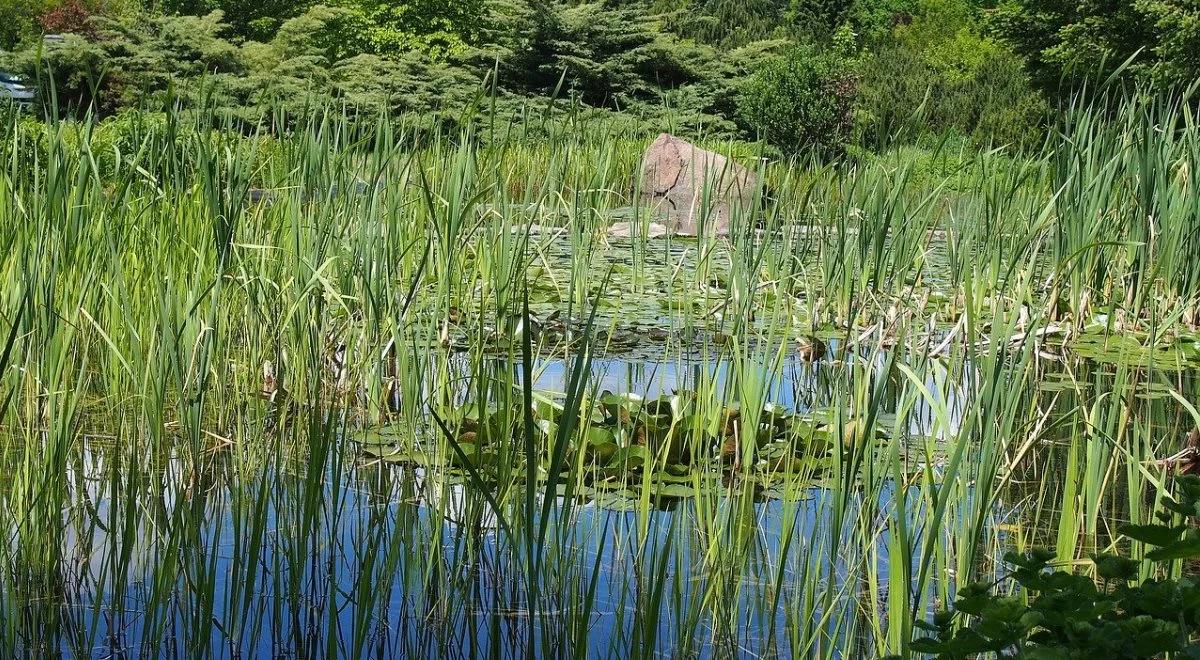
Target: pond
400, 422
352, 556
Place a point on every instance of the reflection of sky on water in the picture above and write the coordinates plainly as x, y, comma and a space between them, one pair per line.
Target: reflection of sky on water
403, 507
303, 587
795, 385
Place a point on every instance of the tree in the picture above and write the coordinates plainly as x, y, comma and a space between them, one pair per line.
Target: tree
71, 17
438, 27
938, 74
249, 19
605, 56
801, 102
331, 33
819, 17
732, 23
130, 60
1072, 41
18, 20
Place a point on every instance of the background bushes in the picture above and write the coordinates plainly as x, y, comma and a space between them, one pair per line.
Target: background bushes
802, 102
810, 77
939, 74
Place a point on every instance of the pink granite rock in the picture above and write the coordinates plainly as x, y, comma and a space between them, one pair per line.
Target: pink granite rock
690, 188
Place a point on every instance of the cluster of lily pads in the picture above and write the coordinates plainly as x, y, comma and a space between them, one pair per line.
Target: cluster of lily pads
670, 442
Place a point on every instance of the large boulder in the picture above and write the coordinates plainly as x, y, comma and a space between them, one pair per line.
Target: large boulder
689, 188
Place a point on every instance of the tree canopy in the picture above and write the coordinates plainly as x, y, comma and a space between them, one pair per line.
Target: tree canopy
805, 75
1068, 42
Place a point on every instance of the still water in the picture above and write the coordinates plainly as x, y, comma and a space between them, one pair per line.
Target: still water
314, 551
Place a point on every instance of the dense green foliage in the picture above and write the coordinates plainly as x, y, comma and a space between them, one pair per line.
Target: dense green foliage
801, 102
381, 26
18, 18
1059, 614
252, 19
1071, 41
811, 77
939, 73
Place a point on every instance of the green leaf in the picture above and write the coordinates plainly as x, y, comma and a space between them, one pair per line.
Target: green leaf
1159, 535
1112, 567
1186, 548
396, 432
630, 457
674, 490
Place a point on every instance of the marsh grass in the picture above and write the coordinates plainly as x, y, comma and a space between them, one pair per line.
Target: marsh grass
403, 287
